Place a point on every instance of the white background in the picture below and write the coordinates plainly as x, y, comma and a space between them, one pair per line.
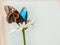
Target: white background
46, 15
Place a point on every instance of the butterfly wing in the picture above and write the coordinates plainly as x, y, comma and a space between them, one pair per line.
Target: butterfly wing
12, 14
24, 13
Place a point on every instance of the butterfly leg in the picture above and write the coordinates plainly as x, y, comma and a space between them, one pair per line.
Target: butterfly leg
27, 21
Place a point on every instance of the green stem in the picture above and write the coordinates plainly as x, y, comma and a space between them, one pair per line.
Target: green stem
24, 39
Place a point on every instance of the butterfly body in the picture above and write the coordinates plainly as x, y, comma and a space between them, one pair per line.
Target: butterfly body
14, 16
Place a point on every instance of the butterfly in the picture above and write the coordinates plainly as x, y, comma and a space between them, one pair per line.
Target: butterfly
14, 16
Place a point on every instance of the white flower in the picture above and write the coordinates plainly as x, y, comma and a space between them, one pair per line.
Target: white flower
22, 26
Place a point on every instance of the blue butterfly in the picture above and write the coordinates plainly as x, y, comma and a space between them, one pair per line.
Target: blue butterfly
14, 16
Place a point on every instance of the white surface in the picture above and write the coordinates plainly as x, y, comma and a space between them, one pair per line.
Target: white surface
47, 17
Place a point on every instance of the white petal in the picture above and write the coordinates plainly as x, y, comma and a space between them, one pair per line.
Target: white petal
12, 31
